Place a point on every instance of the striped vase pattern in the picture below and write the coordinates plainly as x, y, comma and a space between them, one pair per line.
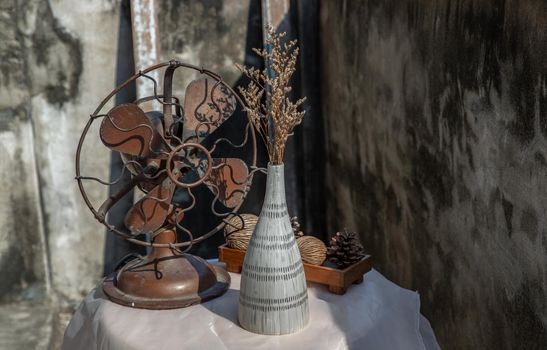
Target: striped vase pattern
273, 295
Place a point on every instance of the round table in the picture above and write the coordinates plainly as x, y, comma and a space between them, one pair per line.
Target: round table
376, 314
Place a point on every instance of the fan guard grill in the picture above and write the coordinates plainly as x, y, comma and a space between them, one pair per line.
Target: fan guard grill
249, 137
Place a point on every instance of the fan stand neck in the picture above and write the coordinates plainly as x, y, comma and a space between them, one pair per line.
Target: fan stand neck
164, 237
166, 279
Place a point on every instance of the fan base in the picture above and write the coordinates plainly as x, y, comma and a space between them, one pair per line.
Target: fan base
166, 279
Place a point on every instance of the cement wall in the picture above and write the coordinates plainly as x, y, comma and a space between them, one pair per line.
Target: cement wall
436, 122
53, 70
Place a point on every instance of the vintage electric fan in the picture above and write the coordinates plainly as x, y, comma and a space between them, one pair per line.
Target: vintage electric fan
171, 157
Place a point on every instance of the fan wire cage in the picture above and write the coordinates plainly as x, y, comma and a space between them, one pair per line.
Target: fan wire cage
167, 154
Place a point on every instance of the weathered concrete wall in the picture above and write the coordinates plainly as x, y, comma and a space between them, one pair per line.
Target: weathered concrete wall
56, 64
437, 145
22, 250
75, 57
23, 260
211, 34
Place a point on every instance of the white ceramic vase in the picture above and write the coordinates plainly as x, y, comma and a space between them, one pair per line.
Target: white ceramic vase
273, 295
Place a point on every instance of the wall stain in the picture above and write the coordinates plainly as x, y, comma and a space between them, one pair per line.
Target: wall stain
529, 223
14, 76
436, 118
21, 263
35, 58
60, 53
47, 60
508, 213
213, 33
523, 315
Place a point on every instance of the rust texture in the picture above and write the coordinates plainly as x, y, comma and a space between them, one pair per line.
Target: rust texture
154, 146
169, 156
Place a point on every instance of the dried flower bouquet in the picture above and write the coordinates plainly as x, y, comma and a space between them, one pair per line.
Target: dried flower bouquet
267, 97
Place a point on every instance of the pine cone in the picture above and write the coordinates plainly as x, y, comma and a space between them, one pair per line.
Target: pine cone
296, 227
345, 249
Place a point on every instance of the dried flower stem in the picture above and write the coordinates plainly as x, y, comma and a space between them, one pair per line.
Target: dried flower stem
275, 119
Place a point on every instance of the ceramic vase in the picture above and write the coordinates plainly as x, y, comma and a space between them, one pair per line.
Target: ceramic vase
273, 294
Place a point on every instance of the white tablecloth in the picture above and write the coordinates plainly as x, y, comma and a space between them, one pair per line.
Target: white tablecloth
376, 314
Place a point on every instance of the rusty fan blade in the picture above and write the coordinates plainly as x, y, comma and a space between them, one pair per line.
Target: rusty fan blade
229, 176
150, 213
207, 105
127, 129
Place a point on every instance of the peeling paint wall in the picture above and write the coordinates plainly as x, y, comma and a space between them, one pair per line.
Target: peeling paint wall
436, 118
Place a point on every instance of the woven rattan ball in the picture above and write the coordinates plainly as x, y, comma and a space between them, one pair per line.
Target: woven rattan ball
312, 250
238, 230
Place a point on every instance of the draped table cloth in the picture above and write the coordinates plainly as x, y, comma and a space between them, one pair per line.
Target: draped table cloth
376, 314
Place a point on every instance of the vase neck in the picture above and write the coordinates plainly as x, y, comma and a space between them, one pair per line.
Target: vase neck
275, 184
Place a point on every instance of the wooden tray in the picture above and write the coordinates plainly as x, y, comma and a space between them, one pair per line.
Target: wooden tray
338, 281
